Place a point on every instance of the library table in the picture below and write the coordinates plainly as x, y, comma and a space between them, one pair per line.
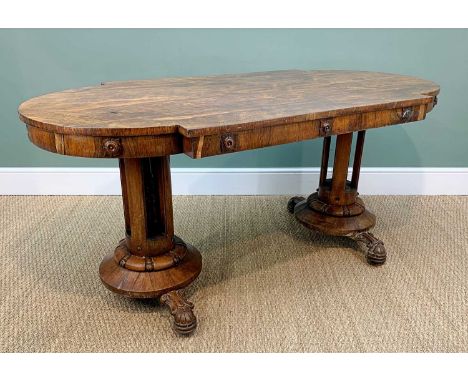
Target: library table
143, 122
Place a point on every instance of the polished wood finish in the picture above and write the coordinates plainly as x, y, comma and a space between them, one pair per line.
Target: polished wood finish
209, 145
143, 122
325, 158
196, 106
376, 253
340, 169
357, 159
205, 116
185, 321
215, 144
98, 147
151, 261
336, 209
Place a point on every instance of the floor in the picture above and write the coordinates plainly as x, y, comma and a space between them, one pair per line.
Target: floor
268, 284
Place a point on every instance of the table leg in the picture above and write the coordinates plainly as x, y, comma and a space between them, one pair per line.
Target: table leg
151, 262
335, 209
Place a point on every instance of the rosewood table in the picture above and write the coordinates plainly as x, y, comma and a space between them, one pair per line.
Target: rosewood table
143, 122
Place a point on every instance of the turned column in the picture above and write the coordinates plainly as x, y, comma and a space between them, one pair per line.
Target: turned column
151, 262
148, 211
335, 209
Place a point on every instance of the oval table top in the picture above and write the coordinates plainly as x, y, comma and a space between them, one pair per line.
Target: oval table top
198, 106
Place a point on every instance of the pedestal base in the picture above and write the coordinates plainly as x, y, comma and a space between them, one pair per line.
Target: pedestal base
151, 262
355, 227
151, 284
329, 224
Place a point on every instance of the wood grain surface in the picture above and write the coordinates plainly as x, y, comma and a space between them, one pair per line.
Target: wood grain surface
143, 122
199, 106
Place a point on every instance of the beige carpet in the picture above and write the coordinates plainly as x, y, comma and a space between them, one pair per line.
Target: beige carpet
268, 284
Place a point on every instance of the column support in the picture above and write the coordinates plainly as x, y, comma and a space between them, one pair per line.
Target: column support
151, 262
335, 209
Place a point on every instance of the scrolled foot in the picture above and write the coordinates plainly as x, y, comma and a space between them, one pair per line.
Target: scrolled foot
293, 202
181, 309
376, 253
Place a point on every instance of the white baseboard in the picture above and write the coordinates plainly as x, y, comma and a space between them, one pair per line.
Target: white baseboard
234, 181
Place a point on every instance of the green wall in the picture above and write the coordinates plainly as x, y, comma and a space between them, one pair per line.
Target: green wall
33, 62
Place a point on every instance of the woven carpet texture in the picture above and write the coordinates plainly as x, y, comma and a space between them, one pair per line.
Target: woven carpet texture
267, 284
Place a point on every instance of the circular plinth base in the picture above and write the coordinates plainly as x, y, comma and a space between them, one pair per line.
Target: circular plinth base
150, 284
331, 225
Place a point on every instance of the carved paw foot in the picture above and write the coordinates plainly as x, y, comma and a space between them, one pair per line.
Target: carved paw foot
185, 321
376, 253
293, 202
